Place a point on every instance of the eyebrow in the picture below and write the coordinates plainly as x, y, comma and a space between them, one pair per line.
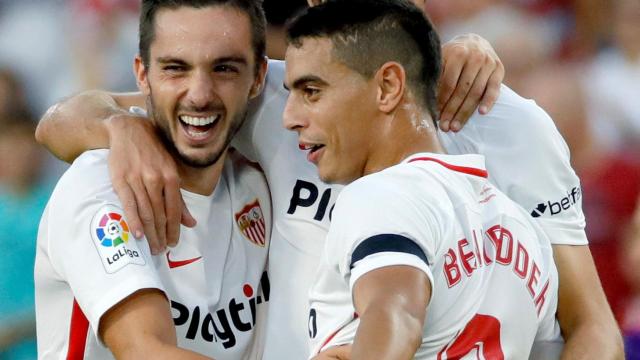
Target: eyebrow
170, 60
303, 80
235, 59
226, 59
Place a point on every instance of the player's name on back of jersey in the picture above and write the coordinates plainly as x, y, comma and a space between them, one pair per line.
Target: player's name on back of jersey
506, 251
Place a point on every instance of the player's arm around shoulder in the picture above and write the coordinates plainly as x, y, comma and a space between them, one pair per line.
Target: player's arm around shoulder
143, 172
140, 327
81, 122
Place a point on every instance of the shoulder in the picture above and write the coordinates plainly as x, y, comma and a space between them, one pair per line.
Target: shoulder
238, 168
515, 115
245, 178
276, 70
515, 129
264, 113
512, 118
87, 178
511, 105
274, 83
395, 189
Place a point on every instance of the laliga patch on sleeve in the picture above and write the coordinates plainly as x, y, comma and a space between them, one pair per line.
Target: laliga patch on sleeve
117, 248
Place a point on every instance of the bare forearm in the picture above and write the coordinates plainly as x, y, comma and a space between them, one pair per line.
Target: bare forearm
140, 327
387, 334
159, 351
588, 326
77, 124
590, 341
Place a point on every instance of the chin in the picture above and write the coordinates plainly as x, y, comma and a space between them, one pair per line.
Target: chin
200, 160
325, 177
336, 178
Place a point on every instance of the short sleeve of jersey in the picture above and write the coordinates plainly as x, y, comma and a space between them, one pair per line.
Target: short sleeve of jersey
89, 242
377, 223
259, 135
529, 161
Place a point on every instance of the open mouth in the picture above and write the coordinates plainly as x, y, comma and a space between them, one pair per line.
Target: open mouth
312, 148
198, 127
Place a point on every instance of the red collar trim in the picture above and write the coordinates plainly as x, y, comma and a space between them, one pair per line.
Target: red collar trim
463, 169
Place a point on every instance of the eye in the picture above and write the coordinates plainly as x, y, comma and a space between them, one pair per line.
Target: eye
310, 92
173, 68
225, 68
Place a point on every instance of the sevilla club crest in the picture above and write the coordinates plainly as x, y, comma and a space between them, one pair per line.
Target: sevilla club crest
251, 223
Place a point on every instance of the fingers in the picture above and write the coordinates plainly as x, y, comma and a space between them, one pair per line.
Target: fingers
128, 200
451, 70
469, 70
145, 210
493, 89
154, 187
470, 103
471, 78
173, 207
187, 219
148, 182
341, 352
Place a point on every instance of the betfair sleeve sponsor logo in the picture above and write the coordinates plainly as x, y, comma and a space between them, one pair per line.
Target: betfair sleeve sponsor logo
556, 207
110, 234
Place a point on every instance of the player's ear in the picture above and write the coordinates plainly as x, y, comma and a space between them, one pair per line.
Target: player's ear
390, 79
140, 71
258, 82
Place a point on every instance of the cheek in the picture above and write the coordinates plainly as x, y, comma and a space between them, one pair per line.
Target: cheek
233, 94
166, 93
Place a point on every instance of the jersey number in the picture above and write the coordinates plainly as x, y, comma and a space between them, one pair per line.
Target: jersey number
480, 339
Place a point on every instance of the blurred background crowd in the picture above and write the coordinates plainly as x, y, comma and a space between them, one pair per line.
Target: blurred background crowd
578, 59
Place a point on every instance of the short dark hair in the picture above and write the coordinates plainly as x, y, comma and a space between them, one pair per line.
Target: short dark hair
368, 33
253, 9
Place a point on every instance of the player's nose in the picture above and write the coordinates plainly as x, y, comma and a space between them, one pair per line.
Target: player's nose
201, 90
292, 118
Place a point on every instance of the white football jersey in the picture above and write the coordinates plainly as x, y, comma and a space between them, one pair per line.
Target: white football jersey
215, 279
525, 155
493, 279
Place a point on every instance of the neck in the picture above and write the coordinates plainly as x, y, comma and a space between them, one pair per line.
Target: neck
404, 132
202, 180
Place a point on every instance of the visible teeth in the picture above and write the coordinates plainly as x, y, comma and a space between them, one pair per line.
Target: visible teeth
311, 147
199, 121
197, 134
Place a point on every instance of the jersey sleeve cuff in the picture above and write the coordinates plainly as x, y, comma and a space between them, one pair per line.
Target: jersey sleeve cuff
564, 236
116, 295
384, 259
